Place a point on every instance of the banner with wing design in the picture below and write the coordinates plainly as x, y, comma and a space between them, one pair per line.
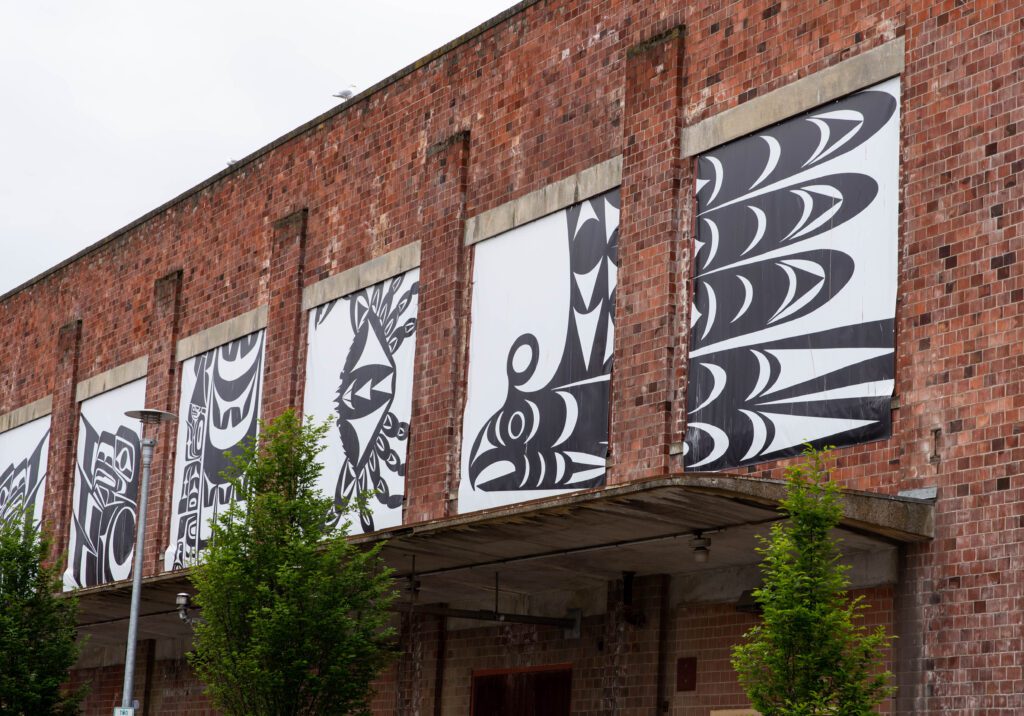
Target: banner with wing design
792, 321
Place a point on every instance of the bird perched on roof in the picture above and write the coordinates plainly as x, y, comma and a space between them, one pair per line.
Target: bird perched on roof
346, 93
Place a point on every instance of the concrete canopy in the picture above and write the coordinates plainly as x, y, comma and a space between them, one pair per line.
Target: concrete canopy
582, 540
575, 542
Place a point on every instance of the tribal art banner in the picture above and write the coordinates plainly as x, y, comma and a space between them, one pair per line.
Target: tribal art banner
791, 337
23, 455
221, 392
359, 375
107, 472
540, 357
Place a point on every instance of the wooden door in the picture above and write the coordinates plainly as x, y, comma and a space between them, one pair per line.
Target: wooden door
540, 691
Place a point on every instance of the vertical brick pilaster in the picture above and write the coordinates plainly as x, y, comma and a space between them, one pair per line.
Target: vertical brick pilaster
647, 321
60, 470
409, 673
285, 327
145, 675
633, 641
615, 648
909, 626
440, 342
162, 386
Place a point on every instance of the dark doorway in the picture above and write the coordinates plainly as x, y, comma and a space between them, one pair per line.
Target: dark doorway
539, 691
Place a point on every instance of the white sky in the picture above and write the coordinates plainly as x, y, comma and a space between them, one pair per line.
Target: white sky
109, 108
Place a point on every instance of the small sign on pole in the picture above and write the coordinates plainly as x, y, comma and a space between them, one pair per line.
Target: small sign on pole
124, 711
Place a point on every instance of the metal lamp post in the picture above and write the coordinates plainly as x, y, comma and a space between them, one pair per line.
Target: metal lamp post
148, 417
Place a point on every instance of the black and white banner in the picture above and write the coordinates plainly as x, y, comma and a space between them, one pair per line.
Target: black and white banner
359, 374
540, 357
792, 325
23, 457
221, 394
107, 473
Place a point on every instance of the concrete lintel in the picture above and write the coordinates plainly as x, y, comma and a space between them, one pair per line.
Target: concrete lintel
26, 414
546, 200
222, 333
113, 378
856, 73
359, 277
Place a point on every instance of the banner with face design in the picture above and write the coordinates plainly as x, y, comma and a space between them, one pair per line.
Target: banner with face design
108, 469
359, 375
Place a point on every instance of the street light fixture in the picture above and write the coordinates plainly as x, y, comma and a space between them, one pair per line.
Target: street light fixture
148, 416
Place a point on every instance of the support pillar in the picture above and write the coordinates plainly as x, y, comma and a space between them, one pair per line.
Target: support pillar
60, 477
648, 318
909, 623
438, 385
162, 386
286, 331
409, 673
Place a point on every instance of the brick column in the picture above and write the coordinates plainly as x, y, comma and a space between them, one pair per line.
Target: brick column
285, 327
615, 647
60, 469
438, 384
910, 626
145, 668
409, 671
162, 387
648, 325
634, 638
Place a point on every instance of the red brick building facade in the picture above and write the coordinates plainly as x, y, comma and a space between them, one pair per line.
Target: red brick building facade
561, 95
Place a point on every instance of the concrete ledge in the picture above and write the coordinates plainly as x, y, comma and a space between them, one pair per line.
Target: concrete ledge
359, 277
904, 519
222, 333
26, 414
113, 378
856, 73
546, 200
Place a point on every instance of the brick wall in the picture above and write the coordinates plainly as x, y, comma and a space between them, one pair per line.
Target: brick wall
166, 686
614, 662
556, 88
708, 631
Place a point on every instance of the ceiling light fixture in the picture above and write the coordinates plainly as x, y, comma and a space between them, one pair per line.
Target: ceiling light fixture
701, 547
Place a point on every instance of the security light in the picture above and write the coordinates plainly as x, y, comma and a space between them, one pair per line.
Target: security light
701, 547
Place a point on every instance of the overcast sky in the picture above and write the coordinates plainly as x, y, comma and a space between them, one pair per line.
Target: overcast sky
108, 108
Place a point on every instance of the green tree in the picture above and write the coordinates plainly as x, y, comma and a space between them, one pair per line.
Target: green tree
294, 618
811, 655
37, 626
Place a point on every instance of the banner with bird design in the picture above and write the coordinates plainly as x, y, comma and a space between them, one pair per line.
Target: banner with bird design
540, 357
